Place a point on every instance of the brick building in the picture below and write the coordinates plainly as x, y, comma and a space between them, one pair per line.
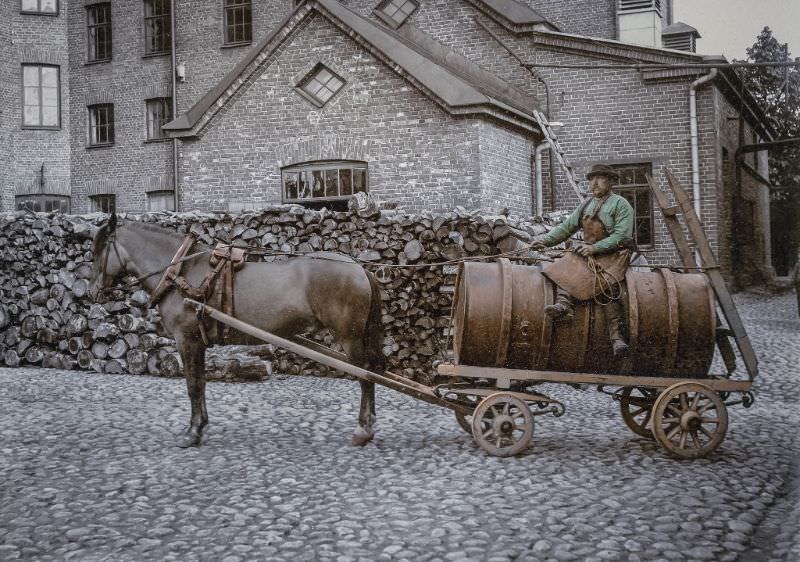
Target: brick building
415, 101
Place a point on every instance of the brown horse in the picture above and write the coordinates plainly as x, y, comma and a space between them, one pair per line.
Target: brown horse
321, 290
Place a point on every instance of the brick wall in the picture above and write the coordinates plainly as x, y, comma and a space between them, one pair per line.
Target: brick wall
505, 165
30, 38
581, 17
418, 155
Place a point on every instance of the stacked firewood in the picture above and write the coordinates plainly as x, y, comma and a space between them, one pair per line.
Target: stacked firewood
47, 317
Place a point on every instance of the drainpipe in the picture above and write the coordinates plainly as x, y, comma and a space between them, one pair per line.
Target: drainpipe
538, 160
174, 106
693, 135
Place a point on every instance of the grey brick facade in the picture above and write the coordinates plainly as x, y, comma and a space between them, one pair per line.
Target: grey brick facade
420, 154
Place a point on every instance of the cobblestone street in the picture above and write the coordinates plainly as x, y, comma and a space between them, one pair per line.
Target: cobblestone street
89, 471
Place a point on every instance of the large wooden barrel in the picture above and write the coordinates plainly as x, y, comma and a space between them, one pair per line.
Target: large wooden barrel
499, 321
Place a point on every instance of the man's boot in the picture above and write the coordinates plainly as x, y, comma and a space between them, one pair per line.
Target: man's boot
562, 308
613, 312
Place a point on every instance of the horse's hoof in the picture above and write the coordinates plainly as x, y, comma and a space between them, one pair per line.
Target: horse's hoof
361, 437
188, 439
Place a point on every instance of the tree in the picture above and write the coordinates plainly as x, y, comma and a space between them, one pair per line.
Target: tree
777, 90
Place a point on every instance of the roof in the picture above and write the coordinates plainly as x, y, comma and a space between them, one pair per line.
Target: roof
453, 81
679, 28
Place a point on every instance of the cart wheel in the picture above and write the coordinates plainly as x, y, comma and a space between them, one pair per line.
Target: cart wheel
636, 405
689, 420
502, 425
465, 421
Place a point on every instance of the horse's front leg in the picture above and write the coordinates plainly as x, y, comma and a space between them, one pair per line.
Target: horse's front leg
193, 354
366, 415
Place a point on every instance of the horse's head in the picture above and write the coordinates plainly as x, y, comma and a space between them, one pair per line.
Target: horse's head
109, 258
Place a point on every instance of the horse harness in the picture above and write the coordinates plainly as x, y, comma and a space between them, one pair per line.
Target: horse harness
216, 287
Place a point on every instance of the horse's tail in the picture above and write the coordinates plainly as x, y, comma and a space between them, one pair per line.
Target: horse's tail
373, 331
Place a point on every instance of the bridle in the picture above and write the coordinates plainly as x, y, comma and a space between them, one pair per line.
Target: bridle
112, 240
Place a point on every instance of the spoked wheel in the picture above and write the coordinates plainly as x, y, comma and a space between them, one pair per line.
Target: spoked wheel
636, 405
689, 420
502, 425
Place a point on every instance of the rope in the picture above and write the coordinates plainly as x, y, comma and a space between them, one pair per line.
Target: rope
608, 287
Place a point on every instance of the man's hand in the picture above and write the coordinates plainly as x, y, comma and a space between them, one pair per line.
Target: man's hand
585, 250
537, 245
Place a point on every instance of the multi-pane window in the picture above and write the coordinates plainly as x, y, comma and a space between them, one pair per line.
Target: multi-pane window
395, 12
161, 201
41, 96
238, 21
39, 7
633, 186
101, 124
323, 181
103, 203
98, 22
320, 85
157, 27
159, 112
43, 203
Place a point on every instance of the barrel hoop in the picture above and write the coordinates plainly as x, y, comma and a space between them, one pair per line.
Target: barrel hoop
672, 305
504, 337
543, 351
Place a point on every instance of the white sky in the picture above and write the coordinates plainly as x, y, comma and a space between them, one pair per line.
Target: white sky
728, 27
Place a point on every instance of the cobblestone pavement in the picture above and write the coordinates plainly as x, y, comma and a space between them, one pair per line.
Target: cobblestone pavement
88, 471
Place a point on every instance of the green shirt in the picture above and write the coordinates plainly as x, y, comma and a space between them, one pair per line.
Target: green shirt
616, 216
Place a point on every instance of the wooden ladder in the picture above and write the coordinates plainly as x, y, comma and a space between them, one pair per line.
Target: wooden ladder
710, 267
552, 140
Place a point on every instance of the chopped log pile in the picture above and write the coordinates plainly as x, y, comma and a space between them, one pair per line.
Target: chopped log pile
47, 317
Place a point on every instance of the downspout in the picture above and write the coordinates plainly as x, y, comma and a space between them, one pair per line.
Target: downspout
693, 135
174, 106
538, 193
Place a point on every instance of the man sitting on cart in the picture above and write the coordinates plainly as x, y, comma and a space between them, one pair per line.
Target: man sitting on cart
596, 267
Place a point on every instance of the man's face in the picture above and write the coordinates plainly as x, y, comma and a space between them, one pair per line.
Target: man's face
601, 186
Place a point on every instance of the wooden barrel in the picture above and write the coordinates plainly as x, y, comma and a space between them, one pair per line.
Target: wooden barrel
499, 320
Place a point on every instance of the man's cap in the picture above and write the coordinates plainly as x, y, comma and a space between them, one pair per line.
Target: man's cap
602, 170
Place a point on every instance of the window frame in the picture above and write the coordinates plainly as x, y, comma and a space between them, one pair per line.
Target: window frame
324, 166
165, 193
92, 44
167, 104
39, 11
99, 203
40, 96
232, 7
46, 198
311, 76
637, 189
108, 126
148, 30
390, 20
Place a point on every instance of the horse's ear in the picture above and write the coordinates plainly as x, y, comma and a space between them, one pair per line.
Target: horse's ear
112, 223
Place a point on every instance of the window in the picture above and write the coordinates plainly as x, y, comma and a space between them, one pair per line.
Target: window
238, 22
161, 201
634, 5
320, 85
103, 203
159, 112
101, 124
633, 186
395, 12
323, 181
41, 96
98, 21
40, 7
157, 27
43, 203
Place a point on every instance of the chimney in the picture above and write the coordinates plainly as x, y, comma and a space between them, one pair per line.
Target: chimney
640, 21
680, 36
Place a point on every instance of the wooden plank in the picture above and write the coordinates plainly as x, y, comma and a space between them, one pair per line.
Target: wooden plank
468, 371
717, 282
410, 388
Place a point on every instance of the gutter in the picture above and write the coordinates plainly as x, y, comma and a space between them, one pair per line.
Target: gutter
694, 137
174, 106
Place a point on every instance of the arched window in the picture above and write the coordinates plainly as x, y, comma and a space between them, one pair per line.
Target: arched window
330, 180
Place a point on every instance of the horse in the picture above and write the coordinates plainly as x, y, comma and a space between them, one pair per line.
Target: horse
286, 298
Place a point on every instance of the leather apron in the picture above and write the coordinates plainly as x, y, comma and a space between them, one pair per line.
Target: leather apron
572, 272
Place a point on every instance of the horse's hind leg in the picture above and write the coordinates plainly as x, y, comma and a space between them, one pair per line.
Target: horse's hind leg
366, 415
194, 366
